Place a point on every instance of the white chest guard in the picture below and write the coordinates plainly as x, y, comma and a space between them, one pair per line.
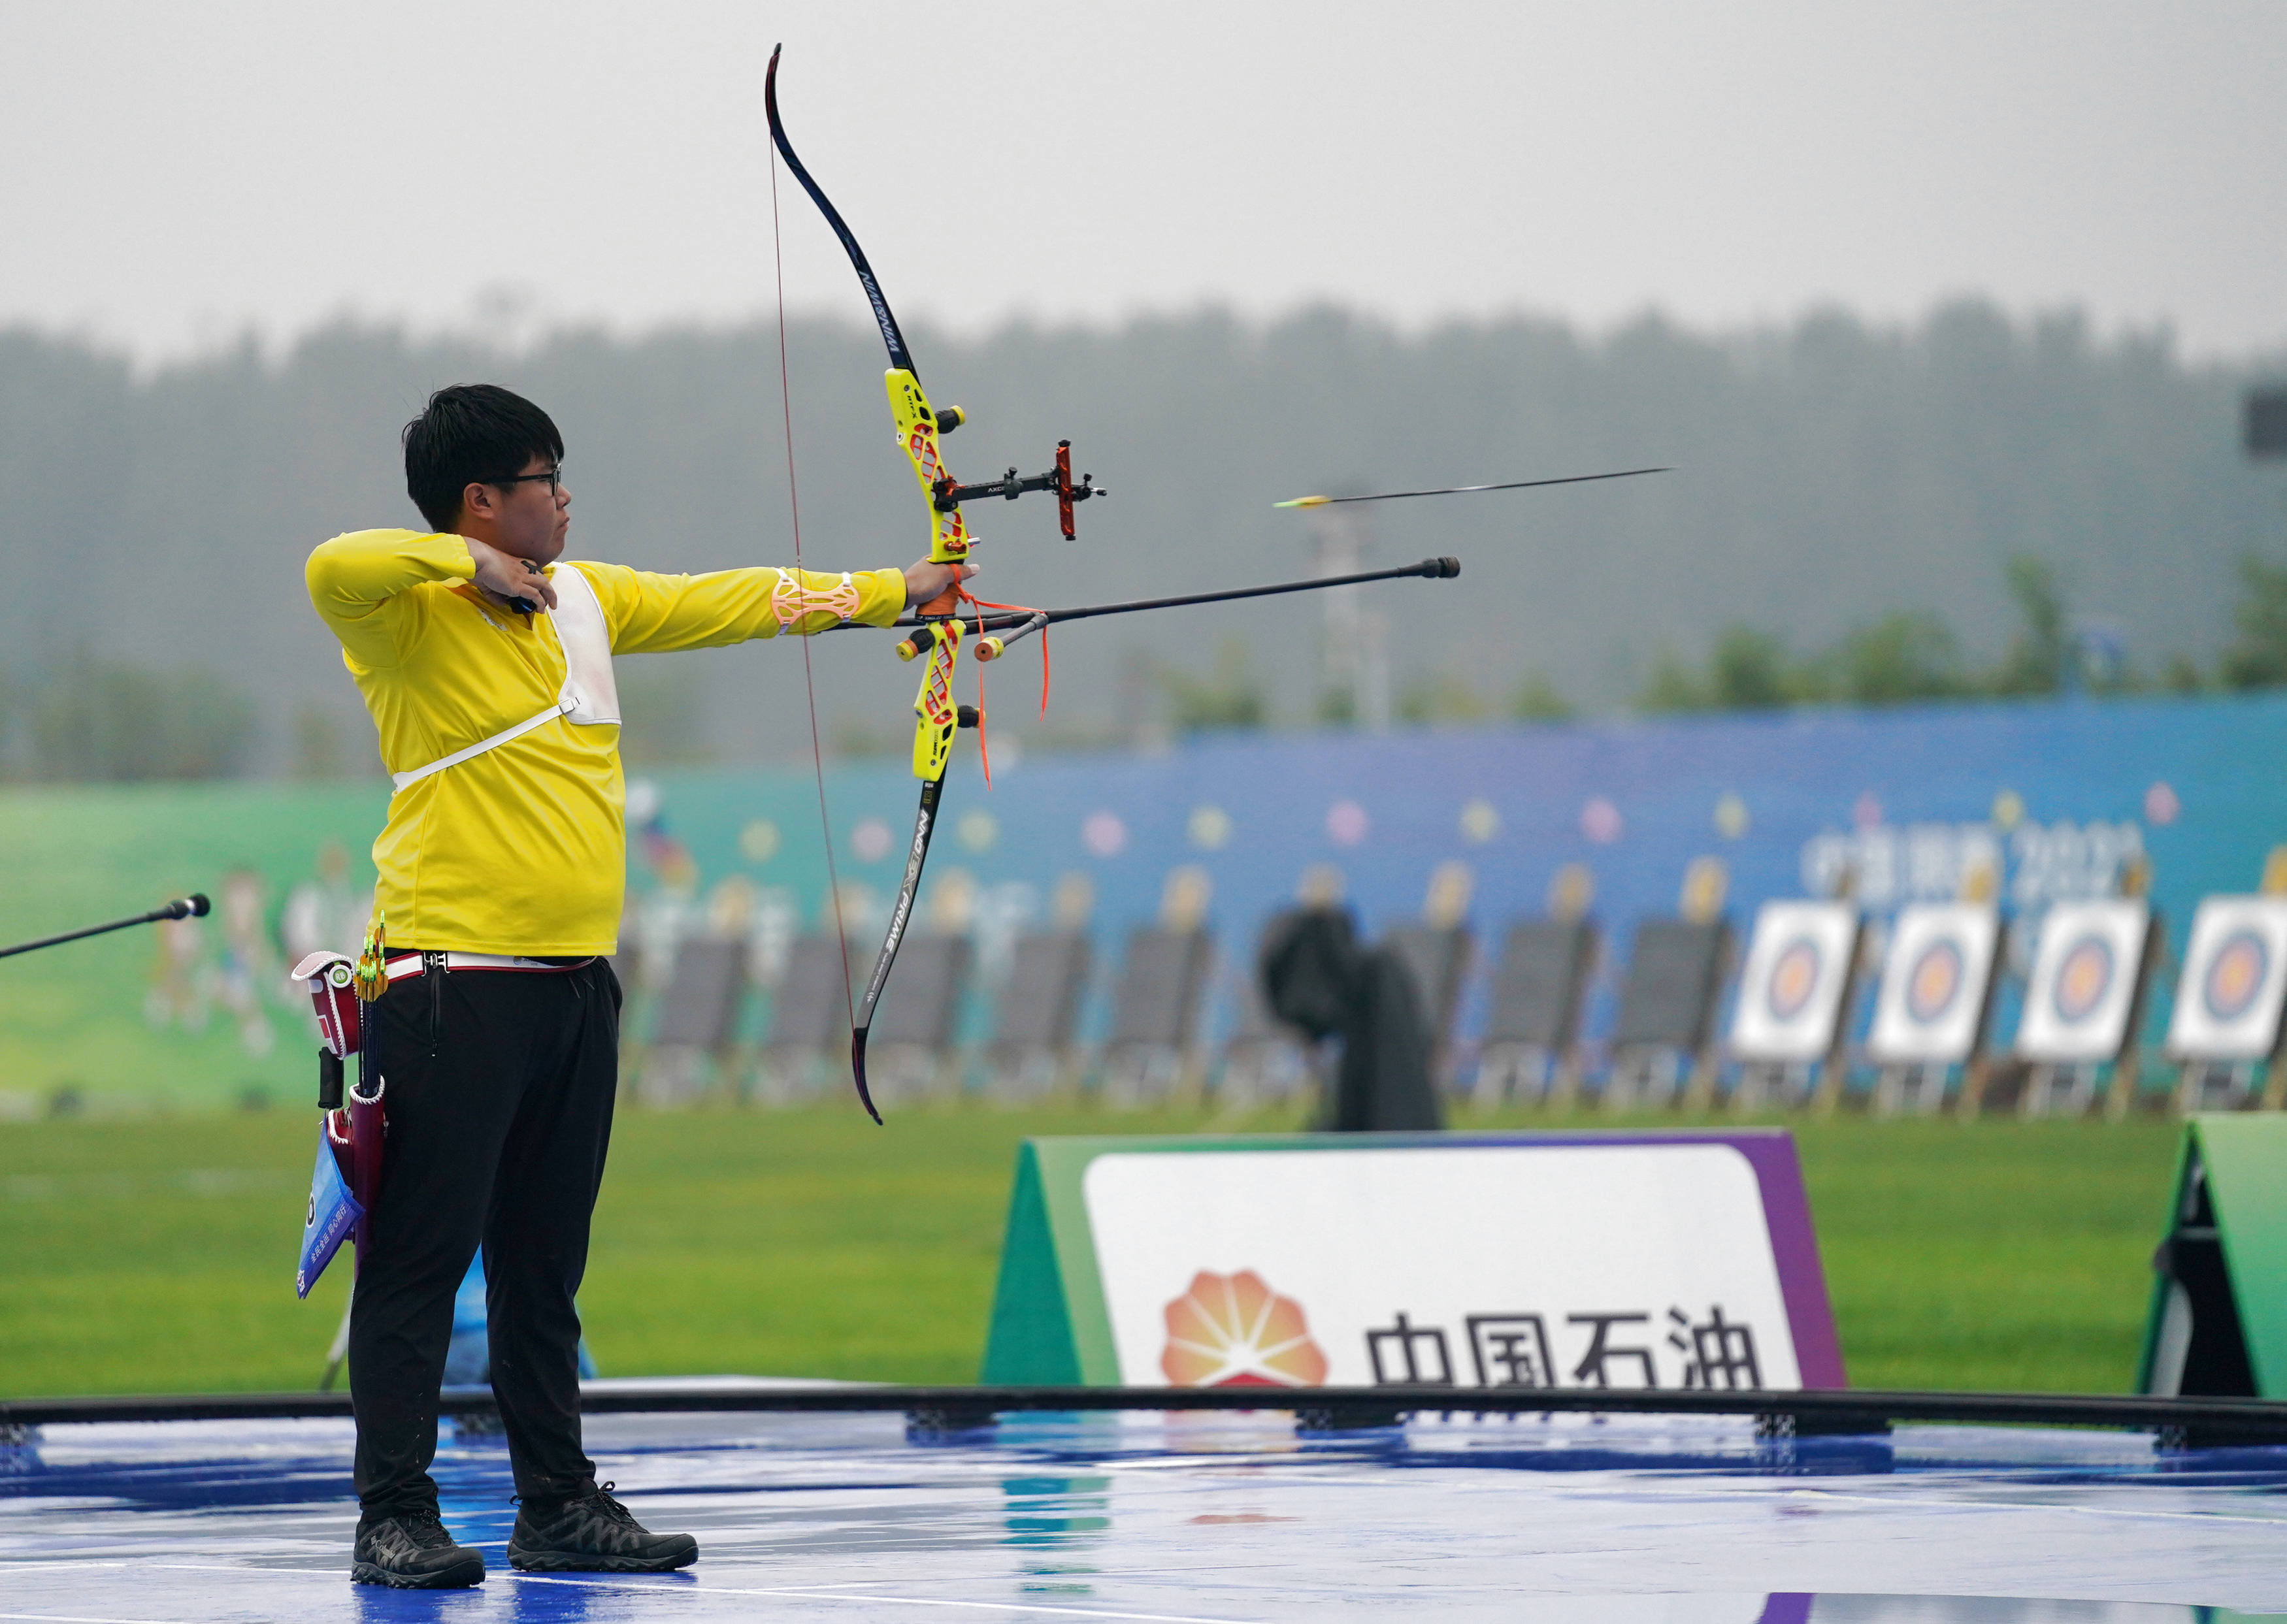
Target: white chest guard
589, 697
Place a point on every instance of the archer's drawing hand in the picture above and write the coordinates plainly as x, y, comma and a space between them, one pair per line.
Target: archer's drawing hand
926, 581
502, 577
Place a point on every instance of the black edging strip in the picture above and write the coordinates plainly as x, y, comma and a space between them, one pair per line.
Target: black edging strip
1802, 1413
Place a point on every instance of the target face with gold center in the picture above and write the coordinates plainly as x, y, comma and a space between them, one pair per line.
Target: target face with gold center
1794, 979
2236, 975
1934, 982
2083, 980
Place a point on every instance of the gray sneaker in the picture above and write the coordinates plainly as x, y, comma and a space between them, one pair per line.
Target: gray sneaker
412, 1551
593, 1533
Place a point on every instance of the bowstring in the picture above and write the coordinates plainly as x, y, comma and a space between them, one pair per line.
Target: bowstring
809, 684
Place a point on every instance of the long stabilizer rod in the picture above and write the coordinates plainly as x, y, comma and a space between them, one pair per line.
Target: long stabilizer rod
182, 908
1463, 490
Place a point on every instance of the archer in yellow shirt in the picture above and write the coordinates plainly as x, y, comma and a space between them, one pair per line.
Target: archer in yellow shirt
504, 861
519, 850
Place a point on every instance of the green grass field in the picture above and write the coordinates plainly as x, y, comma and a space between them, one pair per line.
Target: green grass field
157, 1254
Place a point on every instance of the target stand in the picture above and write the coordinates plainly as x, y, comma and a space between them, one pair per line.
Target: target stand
2225, 1028
1934, 1006
2085, 1006
2218, 1085
1911, 1090
1795, 995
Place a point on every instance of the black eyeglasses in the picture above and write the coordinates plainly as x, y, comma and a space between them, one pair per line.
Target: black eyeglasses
553, 478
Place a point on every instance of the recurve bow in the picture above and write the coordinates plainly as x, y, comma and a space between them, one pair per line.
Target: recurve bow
937, 629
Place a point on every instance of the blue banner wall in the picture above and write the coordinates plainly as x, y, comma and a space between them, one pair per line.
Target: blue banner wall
2056, 796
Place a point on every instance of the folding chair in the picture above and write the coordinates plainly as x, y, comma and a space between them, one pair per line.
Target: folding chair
1439, 957
808, 1036
697, 1023
1538, 986
1155, 1014
1031, 1053
1262, 1059
1667, 1007
909, 1051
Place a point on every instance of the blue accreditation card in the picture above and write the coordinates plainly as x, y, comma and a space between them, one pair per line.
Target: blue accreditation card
333, 1212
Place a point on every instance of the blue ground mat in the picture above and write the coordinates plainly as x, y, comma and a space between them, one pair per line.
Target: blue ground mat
1188, 1517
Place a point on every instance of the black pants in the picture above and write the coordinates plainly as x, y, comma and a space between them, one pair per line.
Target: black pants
500, 1091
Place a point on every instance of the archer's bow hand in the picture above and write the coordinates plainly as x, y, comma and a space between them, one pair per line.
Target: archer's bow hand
926, 582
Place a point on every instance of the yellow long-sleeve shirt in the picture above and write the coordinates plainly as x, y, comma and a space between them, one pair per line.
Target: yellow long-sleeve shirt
521, 849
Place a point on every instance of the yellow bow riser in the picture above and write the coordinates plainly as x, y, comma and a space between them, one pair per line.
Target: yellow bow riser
918, 426
935, 714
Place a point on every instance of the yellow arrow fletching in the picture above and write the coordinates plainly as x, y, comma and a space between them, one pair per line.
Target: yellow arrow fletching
1305, 501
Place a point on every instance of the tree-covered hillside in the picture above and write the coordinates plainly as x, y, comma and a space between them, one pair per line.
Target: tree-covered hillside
1829, 475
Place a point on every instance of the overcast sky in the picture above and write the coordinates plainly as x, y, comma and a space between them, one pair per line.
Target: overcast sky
177, 173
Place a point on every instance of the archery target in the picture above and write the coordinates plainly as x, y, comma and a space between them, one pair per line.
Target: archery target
1793, 991
1932, 1003
2085, 969
2083, 978
1933, 981
2235, 980
1792, 979
2234, 976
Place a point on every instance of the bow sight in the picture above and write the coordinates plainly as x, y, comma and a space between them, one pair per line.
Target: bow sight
945, 496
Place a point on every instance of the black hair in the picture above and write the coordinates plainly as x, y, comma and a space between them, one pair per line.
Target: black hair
471, 434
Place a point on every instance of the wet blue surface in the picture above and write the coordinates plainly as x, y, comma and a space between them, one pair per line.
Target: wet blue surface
1188, 1517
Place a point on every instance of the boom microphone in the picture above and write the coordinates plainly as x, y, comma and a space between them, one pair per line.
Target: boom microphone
193, 906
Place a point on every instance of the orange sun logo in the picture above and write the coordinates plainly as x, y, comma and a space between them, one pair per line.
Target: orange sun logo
1232, 1330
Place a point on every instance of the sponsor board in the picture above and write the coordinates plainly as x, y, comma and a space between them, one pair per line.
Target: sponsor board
1495, 1260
